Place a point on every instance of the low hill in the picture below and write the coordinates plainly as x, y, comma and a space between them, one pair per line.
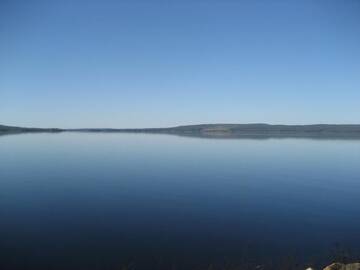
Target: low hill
269, 129
241, 130
223, 130
11, 129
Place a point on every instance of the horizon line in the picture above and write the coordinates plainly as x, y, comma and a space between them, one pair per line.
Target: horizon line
186, 125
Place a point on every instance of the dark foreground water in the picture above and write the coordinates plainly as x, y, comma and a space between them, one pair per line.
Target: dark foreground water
74, 201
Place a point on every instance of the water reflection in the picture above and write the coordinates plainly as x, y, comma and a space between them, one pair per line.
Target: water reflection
100, 201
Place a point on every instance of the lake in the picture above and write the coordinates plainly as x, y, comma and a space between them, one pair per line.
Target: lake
145, 201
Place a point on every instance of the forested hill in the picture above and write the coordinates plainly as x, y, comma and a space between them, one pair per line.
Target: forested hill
11, 129
223, 130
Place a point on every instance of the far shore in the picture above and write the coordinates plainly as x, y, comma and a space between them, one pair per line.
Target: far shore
219, 131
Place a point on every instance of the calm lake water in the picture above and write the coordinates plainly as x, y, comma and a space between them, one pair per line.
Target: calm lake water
103, 201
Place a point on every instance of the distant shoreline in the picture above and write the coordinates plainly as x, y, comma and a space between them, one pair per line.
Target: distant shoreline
219, 130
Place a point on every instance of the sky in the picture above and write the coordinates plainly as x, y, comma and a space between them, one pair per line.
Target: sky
128, 64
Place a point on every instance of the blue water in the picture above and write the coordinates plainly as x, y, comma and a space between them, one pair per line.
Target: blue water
105, 201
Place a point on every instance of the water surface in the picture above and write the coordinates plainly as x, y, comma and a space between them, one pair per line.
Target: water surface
105, 201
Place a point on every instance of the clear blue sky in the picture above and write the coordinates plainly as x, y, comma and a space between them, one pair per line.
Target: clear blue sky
110, 63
